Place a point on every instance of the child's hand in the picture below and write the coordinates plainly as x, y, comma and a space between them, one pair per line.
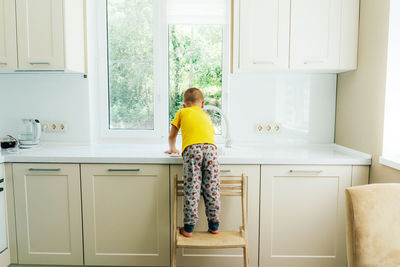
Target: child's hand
172, 151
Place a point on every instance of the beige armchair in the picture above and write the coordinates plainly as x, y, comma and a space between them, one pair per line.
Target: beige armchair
373, 225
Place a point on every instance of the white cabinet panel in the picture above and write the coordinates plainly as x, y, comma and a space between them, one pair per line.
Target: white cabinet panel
315, 34
302, 215
8, 38
3, 215
230, 216
264, 34
48, 213
126, 214
40, 34
305, 35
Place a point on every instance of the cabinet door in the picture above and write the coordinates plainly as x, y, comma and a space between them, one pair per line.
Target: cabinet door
315, 34
40, 26
3, 214
230, 216
8, 38
264, 34
48, 213
126, 214
302, 215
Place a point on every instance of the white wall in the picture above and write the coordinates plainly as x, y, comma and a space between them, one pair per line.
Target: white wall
303, 103
47, 97
361, 93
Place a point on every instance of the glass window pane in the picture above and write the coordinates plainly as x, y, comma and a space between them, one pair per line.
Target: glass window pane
130, 64
195, 60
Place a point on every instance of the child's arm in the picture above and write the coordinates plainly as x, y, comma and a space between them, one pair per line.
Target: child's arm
172, 140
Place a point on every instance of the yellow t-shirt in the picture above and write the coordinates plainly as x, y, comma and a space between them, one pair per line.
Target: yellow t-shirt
196, 127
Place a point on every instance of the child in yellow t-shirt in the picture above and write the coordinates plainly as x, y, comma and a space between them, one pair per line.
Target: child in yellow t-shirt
200, 163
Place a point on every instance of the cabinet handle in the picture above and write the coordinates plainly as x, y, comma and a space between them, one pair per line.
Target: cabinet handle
313, 62
44, 170
263, 62
123, 170
39, 63
305, 171
1, 180
225, 171
3, 63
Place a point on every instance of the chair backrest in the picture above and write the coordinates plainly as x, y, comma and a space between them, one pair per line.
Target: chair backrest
373, 225
229, 185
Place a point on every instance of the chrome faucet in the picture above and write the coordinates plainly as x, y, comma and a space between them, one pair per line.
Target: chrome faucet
228, 139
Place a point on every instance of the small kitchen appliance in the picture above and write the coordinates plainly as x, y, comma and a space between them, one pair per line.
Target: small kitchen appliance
8, 142
30, 135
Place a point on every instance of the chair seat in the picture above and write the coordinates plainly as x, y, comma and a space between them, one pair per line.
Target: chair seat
224, 239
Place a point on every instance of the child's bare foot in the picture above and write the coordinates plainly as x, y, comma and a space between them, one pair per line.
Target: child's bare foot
213, 227
184, 233
213, 232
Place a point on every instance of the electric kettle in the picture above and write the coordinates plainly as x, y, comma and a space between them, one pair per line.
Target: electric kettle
30, 135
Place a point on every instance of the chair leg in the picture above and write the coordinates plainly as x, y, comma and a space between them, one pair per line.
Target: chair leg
173, 261
245, 257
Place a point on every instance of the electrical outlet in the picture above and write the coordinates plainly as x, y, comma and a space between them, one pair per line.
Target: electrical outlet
268, 128
277, 127
259, 128
54, 127
63, 127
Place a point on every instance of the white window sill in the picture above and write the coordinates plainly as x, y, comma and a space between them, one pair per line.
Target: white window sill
390, 161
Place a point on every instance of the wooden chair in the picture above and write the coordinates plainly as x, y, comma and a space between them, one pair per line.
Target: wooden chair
206, 240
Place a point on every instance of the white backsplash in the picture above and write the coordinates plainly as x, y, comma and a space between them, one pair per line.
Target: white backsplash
303, 103
47, 97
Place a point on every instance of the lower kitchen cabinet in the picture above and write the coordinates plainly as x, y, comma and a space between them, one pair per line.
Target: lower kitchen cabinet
296, 215
231, 215
302, 215
126, 214
48, 213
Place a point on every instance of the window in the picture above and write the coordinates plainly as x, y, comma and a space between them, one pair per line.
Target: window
196, 45
130, 64
391, 142
195, 60
156, 49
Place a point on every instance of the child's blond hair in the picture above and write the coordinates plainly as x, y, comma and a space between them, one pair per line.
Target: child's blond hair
192, 95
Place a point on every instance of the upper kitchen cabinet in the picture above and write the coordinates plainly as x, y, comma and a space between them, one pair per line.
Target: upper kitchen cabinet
8, 39
304, 35
264, 34
51, 35
324, 35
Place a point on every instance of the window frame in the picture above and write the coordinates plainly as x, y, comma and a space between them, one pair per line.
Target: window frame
160, 80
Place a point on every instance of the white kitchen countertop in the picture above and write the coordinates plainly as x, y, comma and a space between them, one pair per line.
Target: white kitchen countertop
150, 153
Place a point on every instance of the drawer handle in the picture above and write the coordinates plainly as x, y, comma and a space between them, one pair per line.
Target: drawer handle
44, 170
39, 63
305, 171
263, 62
3, 63
225, 171
313, 62
1, 180
123, 170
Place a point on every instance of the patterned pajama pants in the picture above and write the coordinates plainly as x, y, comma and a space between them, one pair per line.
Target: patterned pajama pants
201, 173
